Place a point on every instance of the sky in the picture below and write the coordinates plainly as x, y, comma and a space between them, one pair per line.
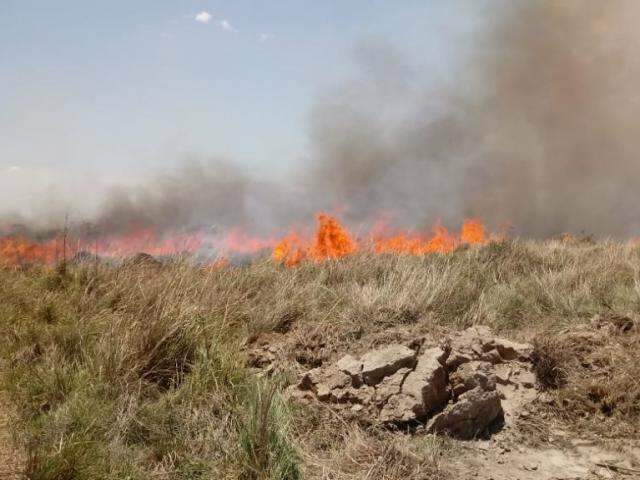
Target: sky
100, 93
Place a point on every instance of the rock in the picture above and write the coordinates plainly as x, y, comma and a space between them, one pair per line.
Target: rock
424, 390
400, 408
509, 350
390, 386
474, 411
353, 395
429, 381
471, 375
351, 367
397, 384
323, 381
386, 361
310, 379
330, 379
479, 344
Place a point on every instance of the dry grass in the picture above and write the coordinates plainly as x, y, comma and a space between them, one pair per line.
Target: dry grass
140, 371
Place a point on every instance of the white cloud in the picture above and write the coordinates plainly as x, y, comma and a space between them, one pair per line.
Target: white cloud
203, 17
225, 25
264, 37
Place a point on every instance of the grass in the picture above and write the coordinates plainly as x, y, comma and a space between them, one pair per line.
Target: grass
140, 371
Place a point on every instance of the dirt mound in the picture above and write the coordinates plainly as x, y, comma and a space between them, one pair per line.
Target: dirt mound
458, 386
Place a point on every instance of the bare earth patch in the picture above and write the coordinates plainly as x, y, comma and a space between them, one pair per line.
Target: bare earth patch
503, 457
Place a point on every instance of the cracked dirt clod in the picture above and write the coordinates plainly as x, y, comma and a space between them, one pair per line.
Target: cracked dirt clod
380, 363
474, 411
478, 344
424, 390
458, 385
471, 375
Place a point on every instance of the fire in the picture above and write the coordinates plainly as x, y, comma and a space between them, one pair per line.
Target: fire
20, 250
331, 240
473, 232
290, 250
439, 241
239, 242
16, 250
143, 240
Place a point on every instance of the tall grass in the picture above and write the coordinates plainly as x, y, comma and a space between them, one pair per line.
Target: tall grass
139, 371
266, 451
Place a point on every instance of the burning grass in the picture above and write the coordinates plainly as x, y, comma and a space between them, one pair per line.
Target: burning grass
139, 371
330, 240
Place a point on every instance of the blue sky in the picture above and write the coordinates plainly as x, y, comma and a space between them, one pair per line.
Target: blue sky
98, 92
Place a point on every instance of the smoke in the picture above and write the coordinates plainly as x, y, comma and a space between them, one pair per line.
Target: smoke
538, 130
211, 195
558, 127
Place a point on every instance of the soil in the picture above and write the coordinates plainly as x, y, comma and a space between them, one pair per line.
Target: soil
563, 457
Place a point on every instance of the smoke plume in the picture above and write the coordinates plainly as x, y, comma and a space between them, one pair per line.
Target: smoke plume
539, 130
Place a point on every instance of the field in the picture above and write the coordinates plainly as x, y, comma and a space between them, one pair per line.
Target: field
150, 370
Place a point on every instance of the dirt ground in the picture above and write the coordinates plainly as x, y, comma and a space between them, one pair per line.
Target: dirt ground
562, 457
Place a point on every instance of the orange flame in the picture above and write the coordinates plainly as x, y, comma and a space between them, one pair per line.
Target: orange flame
331, 240
290, 250
19, 250
473, 232
16, 250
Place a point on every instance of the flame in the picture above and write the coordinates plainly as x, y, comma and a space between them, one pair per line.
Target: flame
144, 240
331, 240
20, 250
473, 232
238, 242
440, 241
16, 250
290, 250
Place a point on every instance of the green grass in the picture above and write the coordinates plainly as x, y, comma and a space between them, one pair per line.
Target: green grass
140, 372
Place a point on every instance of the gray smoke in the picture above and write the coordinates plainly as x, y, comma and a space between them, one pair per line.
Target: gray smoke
211, 195
539, 130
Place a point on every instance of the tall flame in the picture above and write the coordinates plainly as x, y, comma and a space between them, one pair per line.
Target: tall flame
331, 240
